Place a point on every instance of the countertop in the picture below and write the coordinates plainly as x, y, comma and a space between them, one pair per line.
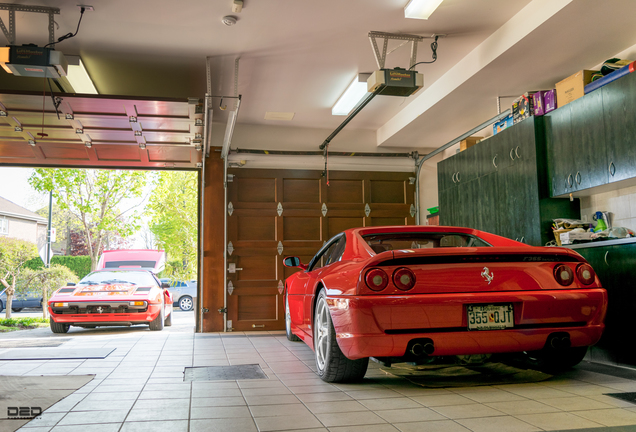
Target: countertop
601, 243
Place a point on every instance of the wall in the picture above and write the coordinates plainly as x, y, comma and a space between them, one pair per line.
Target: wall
428, 186
621, 203
24, 230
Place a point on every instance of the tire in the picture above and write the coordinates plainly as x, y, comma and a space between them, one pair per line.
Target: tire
58, 327
185, 303
168, 321
16, 309
331, 363
1, 306
290, 336
157, 323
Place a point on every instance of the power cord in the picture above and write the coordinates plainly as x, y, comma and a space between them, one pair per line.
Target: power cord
434, 55
69, 35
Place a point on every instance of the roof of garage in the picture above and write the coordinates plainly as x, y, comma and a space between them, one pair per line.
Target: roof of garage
298, 57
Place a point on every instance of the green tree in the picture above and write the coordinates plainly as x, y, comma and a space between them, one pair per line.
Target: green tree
14, 253
44, 281
173, 213
94, 197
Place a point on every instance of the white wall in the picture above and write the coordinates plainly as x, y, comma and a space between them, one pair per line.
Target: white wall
620, 203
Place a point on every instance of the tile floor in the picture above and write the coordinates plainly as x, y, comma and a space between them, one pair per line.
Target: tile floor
140, 387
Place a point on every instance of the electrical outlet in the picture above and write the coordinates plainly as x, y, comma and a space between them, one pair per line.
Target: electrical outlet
584, 218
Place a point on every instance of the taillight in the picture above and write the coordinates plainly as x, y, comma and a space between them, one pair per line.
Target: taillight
563, 275
376, 279
585, 273
404, 279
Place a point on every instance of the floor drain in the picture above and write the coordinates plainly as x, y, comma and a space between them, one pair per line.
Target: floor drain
224, 373
629, 397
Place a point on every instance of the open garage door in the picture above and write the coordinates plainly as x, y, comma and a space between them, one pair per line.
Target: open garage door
277, 213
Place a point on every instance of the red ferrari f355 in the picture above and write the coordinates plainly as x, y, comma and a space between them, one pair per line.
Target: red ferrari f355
415, 293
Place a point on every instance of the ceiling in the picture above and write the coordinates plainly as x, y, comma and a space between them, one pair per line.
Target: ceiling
299, 56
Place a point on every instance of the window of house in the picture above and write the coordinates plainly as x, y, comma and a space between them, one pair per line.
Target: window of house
4, 225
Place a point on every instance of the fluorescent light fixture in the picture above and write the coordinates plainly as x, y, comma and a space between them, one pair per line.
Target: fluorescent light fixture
78, 77
352, 96
421, 9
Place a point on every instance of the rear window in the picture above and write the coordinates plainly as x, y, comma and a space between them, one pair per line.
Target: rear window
394, 241
130, 264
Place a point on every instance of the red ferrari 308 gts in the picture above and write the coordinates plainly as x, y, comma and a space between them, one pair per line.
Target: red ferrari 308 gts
416, 293
112, 298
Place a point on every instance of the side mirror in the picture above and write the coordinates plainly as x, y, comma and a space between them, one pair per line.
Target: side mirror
293, 261
165, 285
70, 284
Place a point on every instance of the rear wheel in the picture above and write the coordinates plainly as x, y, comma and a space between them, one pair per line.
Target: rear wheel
331, 363
290, 335
185, 303
1, 307
59, 327
16, 309
157, 323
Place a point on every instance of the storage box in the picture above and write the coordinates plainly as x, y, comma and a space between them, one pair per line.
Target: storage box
469, 142
502, 124
549, 101
522, 107
573, 87
569, 237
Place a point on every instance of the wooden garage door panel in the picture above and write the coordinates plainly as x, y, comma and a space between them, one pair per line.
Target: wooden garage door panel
16, 150
337, 224
345, 191
113, 153
257, 307
301, 228
77, 152
301, 190
256, 228
255, 189
382, 221
383, 191
256, 268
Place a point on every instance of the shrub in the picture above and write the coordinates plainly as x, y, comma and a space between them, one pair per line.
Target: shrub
80, 265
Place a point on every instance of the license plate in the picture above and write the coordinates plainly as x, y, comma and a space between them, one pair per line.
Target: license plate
490, 317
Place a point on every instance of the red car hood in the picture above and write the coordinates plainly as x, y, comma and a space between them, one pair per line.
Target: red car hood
110, 291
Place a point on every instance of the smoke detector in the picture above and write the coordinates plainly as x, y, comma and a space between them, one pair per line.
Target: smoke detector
228, 20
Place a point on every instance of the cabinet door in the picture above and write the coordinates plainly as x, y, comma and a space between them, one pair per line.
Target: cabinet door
507, 202
589, 157
446, 173
559, 150
486, 209
619, 106
449, 206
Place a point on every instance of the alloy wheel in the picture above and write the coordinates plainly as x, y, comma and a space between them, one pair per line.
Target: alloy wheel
321, 328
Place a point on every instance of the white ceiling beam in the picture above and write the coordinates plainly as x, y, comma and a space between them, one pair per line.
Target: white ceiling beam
518, 27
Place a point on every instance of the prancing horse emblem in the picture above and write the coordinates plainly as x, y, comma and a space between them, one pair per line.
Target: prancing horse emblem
101, 310
487, 275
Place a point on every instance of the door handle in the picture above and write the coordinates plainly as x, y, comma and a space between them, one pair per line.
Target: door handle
570, 180
493, 161
517, 152
511, 154
578, 177
612, 169
457, 176
453, 178
258, 326
605, 258
232, 268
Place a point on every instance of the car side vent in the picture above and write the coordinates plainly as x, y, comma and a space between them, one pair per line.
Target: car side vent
467, 259
66, 290
143, 289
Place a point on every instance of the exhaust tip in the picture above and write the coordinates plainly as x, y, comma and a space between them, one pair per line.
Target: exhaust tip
417, 349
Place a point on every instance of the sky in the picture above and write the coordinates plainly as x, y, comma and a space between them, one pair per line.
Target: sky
15, 187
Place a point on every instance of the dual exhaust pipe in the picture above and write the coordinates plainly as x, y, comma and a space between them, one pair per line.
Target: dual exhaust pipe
421, 347
558, 341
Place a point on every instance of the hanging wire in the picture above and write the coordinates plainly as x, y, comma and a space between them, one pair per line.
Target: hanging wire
434, 55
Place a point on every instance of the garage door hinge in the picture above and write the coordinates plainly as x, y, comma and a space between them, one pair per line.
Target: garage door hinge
367, 210
412, 210
230, 208
205, 310
279, 209
279, 248
324, 209
230, 287
222, 310
230, 248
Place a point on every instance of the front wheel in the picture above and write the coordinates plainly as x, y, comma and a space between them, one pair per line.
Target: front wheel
168, 321
1, 307
331, 363
157, 323
59, 327
16, 309
290, 335
185, 303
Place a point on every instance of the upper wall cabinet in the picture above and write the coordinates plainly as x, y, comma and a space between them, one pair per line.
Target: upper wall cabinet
592, 141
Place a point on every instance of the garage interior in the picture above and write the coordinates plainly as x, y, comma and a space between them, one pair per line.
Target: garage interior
247, 103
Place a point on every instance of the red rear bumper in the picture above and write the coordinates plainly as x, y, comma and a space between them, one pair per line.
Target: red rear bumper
382, 326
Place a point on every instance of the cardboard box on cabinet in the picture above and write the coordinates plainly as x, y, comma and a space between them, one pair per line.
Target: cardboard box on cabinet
522, 107
468, 142
573, 87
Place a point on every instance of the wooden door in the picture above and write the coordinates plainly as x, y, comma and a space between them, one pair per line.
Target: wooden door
277, 213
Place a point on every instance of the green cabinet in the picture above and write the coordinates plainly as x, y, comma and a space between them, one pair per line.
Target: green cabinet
592, 140
499, 186
614, 267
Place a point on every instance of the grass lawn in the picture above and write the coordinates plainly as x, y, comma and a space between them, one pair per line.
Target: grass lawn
14, 324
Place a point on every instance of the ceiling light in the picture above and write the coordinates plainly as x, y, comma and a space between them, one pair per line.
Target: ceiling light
421, 9
228, 20
78, 77
352, 96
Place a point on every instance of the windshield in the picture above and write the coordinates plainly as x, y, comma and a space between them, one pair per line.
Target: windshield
393, 241
118, 276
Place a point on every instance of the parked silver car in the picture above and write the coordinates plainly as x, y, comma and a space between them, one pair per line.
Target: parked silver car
183, 293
